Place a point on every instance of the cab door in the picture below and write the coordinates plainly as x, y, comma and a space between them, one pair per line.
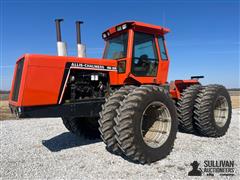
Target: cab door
145, 58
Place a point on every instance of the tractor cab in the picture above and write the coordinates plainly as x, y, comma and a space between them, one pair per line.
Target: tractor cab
140, 50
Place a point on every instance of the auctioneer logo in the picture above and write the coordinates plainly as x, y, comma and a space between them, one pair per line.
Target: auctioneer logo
212, 168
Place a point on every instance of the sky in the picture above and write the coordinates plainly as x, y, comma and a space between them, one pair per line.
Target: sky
204, 37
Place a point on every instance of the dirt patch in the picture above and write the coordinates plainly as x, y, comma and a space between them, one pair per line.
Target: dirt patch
235, 101
5, 112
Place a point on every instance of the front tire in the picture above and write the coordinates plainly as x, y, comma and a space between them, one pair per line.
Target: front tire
86, 127
146, 124
107, 115
213, 111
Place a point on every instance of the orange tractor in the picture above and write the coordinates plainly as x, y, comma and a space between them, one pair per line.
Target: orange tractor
124, 97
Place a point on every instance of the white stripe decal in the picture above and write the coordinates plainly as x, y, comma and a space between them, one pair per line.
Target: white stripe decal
64, 86
92, 69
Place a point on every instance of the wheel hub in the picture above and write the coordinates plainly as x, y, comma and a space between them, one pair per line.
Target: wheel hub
155, 124
221, 111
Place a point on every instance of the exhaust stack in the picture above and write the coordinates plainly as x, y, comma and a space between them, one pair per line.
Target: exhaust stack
61, 46
81, 49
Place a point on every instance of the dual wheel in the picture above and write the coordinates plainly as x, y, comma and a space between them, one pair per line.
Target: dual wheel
139, 123
204, 110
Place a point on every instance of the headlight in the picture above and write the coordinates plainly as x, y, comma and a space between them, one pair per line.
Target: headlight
94, 77
124, 26
104, 35
119, 28
121, 66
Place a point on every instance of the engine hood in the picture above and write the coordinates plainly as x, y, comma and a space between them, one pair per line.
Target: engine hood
70, 62
41, 78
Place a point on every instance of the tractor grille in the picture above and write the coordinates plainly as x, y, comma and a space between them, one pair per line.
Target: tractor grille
17, 81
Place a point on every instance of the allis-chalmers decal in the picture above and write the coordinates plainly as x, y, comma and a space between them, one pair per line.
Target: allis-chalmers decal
94, 66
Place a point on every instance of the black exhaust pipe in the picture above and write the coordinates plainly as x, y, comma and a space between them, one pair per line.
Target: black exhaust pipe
81, 49
58, 29
61, 46
78, 31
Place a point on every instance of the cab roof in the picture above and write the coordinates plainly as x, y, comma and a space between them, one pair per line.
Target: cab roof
136, 25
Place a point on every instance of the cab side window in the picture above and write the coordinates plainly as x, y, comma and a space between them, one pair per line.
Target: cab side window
145, 61
162, 48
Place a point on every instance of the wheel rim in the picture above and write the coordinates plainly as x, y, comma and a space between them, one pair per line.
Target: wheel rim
155, 124
221, 111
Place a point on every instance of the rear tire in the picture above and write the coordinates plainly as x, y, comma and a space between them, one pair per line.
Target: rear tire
107, 115
213, 111
146, 124
86, 127
185, 108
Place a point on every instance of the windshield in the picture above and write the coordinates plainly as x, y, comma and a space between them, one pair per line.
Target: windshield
116, 47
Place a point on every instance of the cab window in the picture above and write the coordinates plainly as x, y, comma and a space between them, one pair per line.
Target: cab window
162, 48
145, 61
116, 47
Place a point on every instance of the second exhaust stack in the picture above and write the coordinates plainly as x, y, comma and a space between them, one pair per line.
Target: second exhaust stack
81, 49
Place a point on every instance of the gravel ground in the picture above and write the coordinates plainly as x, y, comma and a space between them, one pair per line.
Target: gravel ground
42, 148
